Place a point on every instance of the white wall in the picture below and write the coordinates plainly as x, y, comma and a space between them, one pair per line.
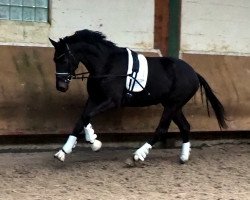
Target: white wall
215, 27
126, 22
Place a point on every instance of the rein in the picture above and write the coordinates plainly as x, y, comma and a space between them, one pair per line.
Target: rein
82, 76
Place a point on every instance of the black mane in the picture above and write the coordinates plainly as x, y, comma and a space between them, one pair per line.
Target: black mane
88, 36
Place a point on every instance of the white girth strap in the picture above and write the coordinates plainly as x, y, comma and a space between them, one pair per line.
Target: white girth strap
142, 74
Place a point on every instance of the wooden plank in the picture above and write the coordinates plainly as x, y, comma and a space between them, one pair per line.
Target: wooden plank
229, 77
161, 25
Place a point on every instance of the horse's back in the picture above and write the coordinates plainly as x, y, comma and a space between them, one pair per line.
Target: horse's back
173, 69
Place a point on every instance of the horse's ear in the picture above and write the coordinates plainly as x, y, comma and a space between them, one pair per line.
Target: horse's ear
54, 43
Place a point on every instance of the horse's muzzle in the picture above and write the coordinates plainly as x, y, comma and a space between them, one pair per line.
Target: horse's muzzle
61, 85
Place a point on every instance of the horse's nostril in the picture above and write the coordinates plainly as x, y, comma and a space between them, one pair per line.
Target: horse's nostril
61, 89
61, 86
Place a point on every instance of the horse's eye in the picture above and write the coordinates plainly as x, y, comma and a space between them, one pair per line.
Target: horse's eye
60, 59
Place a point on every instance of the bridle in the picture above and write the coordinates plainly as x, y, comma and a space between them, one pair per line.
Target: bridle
68, 76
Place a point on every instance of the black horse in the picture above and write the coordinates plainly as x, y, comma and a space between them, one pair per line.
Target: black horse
170, 82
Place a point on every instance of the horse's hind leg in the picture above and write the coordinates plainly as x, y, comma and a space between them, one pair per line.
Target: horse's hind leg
182, 123
160, 132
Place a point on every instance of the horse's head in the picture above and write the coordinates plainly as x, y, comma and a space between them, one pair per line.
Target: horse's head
88, 47
66, 64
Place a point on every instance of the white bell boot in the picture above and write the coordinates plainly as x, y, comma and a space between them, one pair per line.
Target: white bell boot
142, 152
90, 137
96, 146
185, 152
67, 148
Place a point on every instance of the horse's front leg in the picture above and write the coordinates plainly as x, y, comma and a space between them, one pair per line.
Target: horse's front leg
70, 143
91, 109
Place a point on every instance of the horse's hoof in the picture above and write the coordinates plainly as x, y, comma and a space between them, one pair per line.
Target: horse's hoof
183, 160
60, 155
136, 157
96, 146
58, 158
130, 162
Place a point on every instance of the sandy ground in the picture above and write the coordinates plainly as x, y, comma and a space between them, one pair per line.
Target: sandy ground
215, 172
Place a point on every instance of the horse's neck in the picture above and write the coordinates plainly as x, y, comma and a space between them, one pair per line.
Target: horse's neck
97, 58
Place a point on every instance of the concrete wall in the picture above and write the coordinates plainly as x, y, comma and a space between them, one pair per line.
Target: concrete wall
125, 22
215, 27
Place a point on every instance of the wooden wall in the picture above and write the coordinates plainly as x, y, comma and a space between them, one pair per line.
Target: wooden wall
229, 76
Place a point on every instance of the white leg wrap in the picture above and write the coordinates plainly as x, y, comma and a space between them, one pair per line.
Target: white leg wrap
185, 152
70, 144
67, 148
90, 136
142, 152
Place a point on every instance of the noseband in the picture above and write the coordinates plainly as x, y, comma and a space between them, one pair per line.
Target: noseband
67, 76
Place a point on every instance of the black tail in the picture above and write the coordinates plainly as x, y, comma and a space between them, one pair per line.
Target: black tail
214, 101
